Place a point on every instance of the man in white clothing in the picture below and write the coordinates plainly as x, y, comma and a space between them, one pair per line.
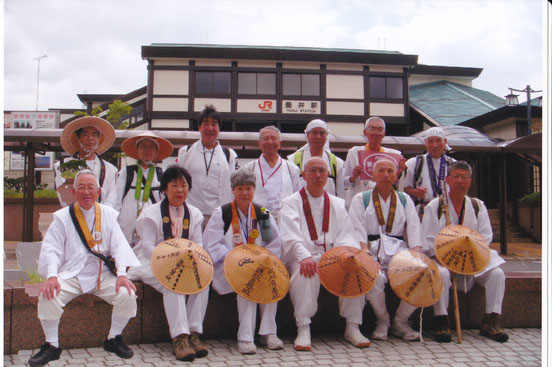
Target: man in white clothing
86, 138
68, 263
312, 222
317, 137
472, 213
425, 173
374, 131
210, 164
276, 177
382, 218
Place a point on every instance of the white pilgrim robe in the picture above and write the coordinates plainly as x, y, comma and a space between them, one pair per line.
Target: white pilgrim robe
283, 183
218, 244
492, 277
128, 206
424, 181
212, 190
359, 185
184, 313
299, 246
333, 187
108, 193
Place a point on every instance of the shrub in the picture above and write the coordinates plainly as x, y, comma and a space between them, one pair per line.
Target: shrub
533, 199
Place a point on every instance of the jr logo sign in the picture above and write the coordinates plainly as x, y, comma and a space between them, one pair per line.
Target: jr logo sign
266, 106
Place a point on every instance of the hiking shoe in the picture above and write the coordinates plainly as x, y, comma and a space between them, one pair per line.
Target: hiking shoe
491, 328
182, 349
442, 329
199, 348
45, 355
117, 346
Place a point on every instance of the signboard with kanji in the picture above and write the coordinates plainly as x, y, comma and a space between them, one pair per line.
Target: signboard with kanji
367, 159
34, 120
310, 107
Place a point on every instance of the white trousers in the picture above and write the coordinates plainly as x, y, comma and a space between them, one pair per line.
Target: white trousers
247, 315
494, 282
124, 304
304, 296
376, 297
182, 316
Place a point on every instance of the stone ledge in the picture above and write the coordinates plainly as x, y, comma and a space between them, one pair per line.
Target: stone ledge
86, 319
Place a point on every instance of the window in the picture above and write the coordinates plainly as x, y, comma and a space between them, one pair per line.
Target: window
209, 82
301, 84
536, 179
386, 87
256, 83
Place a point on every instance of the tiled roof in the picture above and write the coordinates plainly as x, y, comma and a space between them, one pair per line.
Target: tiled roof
450, 103
537, 102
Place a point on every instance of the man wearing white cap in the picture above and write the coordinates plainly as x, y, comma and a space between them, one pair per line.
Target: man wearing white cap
317, 146
425, 174
86, 138
374, 131
312, 222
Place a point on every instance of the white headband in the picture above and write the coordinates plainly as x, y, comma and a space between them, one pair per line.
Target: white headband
317, 124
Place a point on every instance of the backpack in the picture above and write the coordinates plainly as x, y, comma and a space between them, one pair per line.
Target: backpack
333, 164
227, 214
366, 195
225, 150
474, 202
131, 170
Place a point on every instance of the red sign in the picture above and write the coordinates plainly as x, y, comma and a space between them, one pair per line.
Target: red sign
367, 159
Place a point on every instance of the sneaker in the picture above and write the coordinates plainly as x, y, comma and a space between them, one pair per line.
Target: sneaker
246, 347
442, 330
272, 342
403, 330
491, 328
117, 346
45, 355
380, 332
303, 340
199, 348
355, 337
182, 349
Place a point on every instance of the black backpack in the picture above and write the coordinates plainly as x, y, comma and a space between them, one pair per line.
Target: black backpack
131, 171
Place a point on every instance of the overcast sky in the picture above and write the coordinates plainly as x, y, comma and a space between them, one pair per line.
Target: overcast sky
94, 46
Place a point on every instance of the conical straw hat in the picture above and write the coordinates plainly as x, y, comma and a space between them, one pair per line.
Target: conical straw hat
415, 278
462, 249
182, 266
164, 147
256, 274
347, 271
69, 140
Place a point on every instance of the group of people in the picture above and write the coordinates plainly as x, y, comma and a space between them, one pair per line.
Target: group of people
315, 200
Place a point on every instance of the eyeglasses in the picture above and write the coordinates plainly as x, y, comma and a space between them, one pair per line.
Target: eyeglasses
376, 129
460, 177
88, 188
317, 170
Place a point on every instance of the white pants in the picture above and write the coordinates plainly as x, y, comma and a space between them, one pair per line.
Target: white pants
124, 304
182, 316
376, 297
247, 314
494, 282
304, 296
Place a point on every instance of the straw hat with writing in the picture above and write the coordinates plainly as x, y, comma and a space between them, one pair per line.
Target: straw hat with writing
182, 266
256, 274
415, 278
69, 140
164, 147
462, 249
347, 271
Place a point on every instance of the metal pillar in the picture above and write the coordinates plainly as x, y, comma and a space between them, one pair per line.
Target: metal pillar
28, 194
503, 202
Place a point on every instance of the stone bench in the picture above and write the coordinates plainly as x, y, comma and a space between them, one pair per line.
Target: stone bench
86, 319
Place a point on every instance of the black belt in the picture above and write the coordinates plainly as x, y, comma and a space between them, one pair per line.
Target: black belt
374, 237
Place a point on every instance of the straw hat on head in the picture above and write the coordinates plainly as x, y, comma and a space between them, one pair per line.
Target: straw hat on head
164, 147
182, 266
415, 278
462, 249
256, 274
69, 140
347, 271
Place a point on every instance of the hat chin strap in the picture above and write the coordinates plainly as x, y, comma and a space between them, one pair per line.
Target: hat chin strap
87, 153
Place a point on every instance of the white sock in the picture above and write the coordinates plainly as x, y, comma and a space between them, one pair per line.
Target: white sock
50, 328
118, 323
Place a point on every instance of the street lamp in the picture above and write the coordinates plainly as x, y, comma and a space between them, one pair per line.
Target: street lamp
38, 77
512, 100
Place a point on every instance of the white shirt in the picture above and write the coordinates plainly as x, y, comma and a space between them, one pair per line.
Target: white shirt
63, 254
424, 181
212, 189
280, 181
108, 193
295, 231
359, 185
333, 186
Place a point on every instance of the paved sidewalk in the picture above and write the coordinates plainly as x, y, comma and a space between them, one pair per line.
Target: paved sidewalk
523, 349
